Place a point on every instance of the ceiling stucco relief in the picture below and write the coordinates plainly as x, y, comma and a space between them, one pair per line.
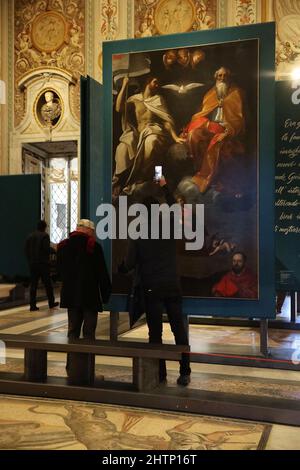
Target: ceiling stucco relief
157, 17
48, 34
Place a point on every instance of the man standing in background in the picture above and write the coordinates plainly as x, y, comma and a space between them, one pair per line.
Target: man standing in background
38, 251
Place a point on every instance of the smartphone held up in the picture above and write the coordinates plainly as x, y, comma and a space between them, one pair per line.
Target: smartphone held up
157, 173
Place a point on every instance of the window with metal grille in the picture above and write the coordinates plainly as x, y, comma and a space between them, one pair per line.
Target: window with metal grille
63, 197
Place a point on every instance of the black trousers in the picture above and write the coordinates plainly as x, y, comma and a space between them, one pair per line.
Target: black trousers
155, 306
37, 271
81, 316
78, 317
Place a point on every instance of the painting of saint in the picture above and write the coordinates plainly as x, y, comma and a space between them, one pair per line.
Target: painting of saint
193, 110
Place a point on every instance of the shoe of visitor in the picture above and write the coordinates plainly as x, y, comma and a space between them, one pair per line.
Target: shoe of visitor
56, 304
183, 380
34, 309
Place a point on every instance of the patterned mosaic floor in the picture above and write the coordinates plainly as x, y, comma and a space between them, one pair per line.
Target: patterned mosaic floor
54, 424
27, 423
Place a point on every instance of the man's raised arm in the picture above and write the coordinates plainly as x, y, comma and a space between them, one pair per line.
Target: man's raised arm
121, 96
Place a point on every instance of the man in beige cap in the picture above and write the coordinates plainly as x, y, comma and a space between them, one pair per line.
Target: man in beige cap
85, 280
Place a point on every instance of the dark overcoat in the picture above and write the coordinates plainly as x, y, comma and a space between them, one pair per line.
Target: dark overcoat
85, 280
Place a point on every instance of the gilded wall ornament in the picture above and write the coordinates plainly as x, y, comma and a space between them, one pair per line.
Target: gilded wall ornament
287, 16
174, 16
245, 12
109, 19
49, 31
155, 17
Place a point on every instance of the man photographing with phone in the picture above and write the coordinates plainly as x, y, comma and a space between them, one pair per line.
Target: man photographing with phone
155, 260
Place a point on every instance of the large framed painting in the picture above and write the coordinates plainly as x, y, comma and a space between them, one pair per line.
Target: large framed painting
199, 108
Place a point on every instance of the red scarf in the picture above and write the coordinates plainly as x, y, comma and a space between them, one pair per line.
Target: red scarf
90, 241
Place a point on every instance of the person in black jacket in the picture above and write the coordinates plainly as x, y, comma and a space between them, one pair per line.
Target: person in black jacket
38, 249
86, 284
156, 261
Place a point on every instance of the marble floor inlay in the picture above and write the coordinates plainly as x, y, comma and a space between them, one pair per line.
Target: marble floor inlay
200, 335
21, 321
27, 423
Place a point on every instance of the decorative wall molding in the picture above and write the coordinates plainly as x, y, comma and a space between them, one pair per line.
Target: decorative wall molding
10, 88
245, 12
111, 22
262, 11
4, 79
89, 37
48, 34
35, 126
38, 82
222, 13
157, 17
109, 19
96, 45
287, 17
82, 26
130, 18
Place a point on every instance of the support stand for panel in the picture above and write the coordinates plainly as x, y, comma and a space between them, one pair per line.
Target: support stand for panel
264, 337
113, 326
293, 306
114, 320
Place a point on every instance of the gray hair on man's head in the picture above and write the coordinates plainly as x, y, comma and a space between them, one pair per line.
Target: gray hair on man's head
86, 223
228, 72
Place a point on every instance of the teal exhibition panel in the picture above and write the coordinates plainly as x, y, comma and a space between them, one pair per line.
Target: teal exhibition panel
239, 197
20, 211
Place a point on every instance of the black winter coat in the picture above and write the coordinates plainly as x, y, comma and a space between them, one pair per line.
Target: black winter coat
37, 248
85, 280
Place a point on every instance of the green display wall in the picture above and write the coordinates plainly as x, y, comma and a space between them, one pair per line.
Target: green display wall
20, 210
260, 101
92, 174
